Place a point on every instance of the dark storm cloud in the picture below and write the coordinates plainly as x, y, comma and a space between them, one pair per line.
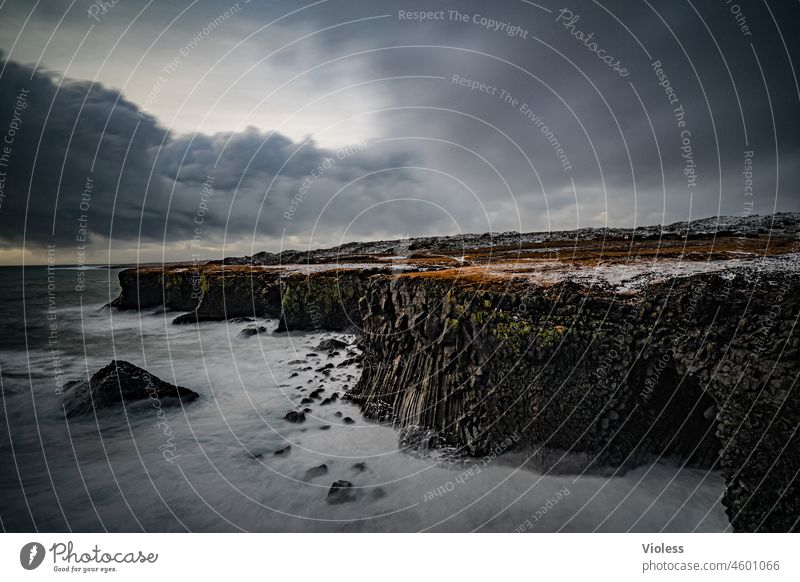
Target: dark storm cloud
444, 158
145, 184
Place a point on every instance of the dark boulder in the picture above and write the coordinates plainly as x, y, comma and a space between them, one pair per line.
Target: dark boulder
331, 345
121, 382
295, 416
252, 330
341, 492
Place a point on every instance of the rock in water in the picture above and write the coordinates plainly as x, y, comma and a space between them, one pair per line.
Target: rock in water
252, 330
331, 345
315, 472
121, 382
341, 492
295, 416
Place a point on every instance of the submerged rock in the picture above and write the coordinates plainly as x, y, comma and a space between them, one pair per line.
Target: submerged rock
315, 472
121, 382
341, 492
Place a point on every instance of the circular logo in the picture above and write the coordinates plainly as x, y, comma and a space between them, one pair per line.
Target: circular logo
31, 555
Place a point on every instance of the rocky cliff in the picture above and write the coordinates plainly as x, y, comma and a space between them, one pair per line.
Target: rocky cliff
698, 368
624, 346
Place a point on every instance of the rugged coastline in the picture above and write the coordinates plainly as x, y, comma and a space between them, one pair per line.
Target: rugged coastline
623, 345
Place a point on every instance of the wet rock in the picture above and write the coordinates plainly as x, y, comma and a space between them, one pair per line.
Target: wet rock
380, 411
341, 492
361, 466
284, 451
295, 416
242, 320
338, 414
325, 427
306, 401
315, 472
186, 318
348, 420
297, 362
331, 345
121, 383
252, 330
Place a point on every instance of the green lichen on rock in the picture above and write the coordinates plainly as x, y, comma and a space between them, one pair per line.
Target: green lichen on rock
550, 336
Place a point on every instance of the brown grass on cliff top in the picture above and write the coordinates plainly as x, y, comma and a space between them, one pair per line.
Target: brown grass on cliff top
578, 253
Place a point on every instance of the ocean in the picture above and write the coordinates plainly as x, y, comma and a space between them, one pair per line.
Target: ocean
228, 466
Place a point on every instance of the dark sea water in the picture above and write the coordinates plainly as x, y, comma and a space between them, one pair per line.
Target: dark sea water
109, 472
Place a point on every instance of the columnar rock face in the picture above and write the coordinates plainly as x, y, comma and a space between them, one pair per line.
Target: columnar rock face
698, 368
326, 300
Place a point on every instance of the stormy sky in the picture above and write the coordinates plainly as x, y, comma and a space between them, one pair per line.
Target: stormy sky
156, 130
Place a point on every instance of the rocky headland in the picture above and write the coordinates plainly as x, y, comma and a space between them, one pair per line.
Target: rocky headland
623, 345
